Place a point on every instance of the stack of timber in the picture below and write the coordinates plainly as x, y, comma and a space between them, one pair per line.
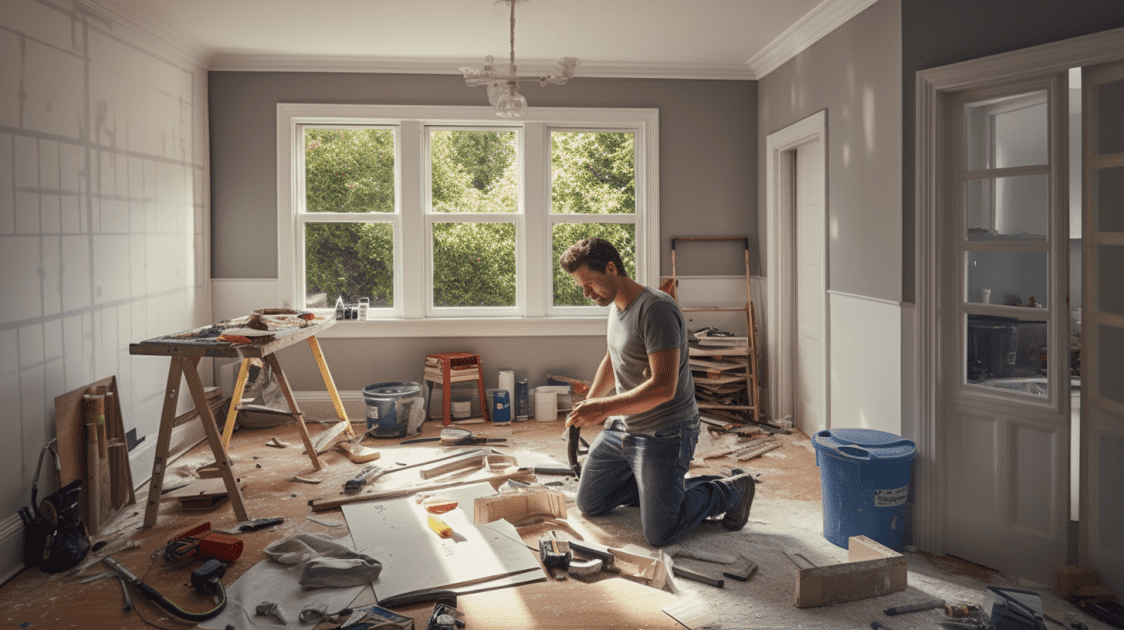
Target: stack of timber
720, 368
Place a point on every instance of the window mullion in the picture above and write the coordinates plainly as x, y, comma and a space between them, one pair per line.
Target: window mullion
536, 278
411, 260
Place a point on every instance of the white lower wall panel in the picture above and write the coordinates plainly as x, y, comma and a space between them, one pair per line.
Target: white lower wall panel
866, 363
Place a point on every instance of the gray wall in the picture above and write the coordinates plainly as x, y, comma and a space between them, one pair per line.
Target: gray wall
707, 160
935, 34
854, 73
708, 185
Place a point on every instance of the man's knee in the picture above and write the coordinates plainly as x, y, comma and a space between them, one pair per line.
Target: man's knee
659, 538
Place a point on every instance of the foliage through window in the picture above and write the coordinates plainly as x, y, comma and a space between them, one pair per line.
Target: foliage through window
434, 218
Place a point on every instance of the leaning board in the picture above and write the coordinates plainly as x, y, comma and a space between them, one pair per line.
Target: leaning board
396, 533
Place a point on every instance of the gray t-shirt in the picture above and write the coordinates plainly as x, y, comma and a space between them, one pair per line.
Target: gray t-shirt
652, 322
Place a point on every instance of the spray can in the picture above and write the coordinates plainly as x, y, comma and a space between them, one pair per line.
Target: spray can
522, 405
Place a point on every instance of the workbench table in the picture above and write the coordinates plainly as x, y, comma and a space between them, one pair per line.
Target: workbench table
186, 349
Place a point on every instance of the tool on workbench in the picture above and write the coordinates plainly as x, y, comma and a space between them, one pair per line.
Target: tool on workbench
205, 579
556, 554
201, 541
908, 608
369, 474
456, 436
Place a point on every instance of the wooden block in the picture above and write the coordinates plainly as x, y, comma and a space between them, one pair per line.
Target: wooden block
872, 570
457, 464
517, 507
1070, 578
1095, 593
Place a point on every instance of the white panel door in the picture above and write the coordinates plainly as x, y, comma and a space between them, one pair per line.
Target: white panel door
1102, 326
1006, 320
811, 290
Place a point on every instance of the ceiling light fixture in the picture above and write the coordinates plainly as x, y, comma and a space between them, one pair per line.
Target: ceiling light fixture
503, 89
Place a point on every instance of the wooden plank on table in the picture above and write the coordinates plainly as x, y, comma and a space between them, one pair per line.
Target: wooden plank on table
872, 570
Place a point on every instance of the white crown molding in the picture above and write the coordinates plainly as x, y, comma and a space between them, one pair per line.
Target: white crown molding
825, 18
122, 13
451, 66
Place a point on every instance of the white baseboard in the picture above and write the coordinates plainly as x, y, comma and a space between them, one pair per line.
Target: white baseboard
11, 547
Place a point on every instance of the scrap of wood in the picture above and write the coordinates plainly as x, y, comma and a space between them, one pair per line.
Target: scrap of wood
476, 461
756, 452
871, 570
496, 479
301, 479
719, 451
325, 440
518, 507
741, 570
276, 443
358, 453
200, 488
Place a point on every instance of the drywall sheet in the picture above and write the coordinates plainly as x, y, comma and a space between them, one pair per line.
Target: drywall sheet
396, 532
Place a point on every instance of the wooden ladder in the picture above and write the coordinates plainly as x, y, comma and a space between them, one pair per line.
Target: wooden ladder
716, 352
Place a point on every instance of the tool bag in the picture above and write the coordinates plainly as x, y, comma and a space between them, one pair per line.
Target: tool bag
55, 538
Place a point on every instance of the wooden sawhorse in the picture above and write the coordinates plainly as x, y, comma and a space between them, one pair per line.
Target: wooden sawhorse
186, 353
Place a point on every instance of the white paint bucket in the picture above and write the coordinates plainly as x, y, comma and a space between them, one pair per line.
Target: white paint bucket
546, 404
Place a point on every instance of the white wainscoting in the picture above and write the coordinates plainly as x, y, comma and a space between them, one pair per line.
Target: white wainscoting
866, 363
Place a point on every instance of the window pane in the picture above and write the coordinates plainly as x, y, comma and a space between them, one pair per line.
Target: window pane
349, 260
474, 264
1010, 278
592, 172
1007, 353
622, 236
1007, 132
1110, 199
1110, 101
474, 171
1007, 207
1110, 260
349, 170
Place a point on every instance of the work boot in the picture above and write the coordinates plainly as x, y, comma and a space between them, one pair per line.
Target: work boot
744, 484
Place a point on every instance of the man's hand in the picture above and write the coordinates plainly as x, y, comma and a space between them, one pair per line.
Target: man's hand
587, 412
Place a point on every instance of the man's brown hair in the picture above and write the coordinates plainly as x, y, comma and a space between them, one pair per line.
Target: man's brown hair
595, 253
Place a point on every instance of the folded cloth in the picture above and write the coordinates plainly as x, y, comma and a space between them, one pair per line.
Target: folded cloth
326, 563
339, 572
301, 548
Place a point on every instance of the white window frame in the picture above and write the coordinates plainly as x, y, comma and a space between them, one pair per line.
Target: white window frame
534, 315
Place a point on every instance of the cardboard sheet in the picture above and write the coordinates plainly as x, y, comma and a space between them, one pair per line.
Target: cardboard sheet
396, 532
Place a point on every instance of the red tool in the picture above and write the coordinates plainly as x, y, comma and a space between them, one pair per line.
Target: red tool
201, 541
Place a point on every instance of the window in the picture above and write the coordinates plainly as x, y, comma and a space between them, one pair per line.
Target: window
450, 221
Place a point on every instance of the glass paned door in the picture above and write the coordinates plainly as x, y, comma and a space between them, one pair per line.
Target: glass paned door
1102, 326
1007, 424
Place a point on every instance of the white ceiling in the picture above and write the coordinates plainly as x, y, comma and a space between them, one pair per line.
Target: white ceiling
740, 39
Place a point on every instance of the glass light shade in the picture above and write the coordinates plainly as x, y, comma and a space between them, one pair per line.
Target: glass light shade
510, 104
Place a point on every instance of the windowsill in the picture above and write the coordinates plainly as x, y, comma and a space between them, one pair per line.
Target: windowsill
468, 327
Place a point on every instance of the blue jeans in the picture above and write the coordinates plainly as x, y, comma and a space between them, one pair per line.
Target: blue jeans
632, 469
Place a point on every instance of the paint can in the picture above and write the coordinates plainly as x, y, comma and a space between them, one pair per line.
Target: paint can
546, 404
386, 416
501, 407
521, 403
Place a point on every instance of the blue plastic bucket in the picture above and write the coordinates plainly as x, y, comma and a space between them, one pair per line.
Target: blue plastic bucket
383, 419
501, 407
864, 479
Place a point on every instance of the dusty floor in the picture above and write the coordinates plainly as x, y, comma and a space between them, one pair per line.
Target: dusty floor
786, 517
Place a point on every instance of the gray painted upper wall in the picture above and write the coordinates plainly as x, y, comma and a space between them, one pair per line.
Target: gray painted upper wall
854, 74
936, 34
708, 159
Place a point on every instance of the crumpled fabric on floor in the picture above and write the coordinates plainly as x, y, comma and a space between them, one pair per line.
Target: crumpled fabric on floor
274, 581
325, 563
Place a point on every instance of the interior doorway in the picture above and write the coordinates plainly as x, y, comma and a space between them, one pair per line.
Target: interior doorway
797, 336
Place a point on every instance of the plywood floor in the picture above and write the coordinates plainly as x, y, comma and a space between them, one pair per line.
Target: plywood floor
786, 517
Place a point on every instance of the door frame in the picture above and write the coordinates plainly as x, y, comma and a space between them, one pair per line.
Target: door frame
780, 228
932, 88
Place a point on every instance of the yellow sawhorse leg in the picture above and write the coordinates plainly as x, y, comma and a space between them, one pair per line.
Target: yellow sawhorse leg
235, 400
341, 413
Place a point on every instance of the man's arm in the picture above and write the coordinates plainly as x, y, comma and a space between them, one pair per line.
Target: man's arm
663, 370
603, 382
